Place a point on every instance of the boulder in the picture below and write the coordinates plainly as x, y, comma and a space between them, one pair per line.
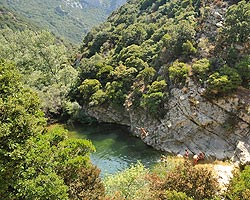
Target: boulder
242, 153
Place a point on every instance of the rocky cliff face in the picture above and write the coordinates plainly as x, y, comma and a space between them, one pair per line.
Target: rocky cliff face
215, 127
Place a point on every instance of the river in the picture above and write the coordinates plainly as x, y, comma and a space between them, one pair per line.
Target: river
116, 147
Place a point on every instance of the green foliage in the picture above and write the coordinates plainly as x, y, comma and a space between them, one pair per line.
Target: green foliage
237, 23
243, 68
36, 163
147, 74
188, 48
88, 88
66, 19
239, 186
44, 62
196, 182
225, 80
174, 195
152, 100
115, 92
14, 21
149, 40
178, 72
200, 68
129, 184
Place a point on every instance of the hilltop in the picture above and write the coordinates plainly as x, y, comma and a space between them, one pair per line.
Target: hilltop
70, 19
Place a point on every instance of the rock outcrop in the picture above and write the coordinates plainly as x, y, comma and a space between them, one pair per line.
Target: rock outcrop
217, 127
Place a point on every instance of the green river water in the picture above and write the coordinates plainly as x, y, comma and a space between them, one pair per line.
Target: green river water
116, 147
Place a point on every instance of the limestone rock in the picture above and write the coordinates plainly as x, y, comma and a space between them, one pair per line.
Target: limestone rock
242, 153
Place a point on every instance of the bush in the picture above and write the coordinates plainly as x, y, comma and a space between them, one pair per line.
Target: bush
129, 184
154, 97
200, 68
243, 68
174, 195
239, 186
196, 182
225, 80
89, 87
178, 72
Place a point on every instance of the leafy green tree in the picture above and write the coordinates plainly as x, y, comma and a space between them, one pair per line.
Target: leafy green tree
147, 75
36, 163
243, 68
44, 62
178, 72
225, 80
200, 68
174, 195
129, 184
237, 23
154, 97
88, 88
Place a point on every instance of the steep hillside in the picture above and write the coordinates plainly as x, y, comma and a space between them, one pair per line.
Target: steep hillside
68, 18
43, 60
177, 72
14, 21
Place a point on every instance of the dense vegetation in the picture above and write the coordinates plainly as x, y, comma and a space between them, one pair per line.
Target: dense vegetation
148, 47
136, 57
37, 163
45, 63
70, 19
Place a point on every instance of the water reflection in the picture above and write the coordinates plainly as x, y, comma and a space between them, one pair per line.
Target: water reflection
116, 148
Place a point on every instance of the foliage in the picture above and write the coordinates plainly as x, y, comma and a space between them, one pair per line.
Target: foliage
239, 186
129, 184
70, 20
154, 96
14, 21
196, 182
36, 163
88, 88
145, 41
178, 72
200, 68
243, 68
225, 80
173, 195
44, 62
237, 23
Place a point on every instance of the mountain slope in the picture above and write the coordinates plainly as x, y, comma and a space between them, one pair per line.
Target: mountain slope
171, 67
68, 18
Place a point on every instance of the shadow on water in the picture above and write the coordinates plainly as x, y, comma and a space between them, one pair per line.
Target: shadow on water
116, 147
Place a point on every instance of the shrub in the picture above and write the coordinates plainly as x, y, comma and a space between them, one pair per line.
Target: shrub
239, 186
188, 48
89, 87
154, 97
243, 68
225, 80
98, 98
200, 68
174, 195
178, 72
196, 182
129, 184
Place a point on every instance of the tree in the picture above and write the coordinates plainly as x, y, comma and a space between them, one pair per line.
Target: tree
178, 72
36, 163
88, 88
225, 80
